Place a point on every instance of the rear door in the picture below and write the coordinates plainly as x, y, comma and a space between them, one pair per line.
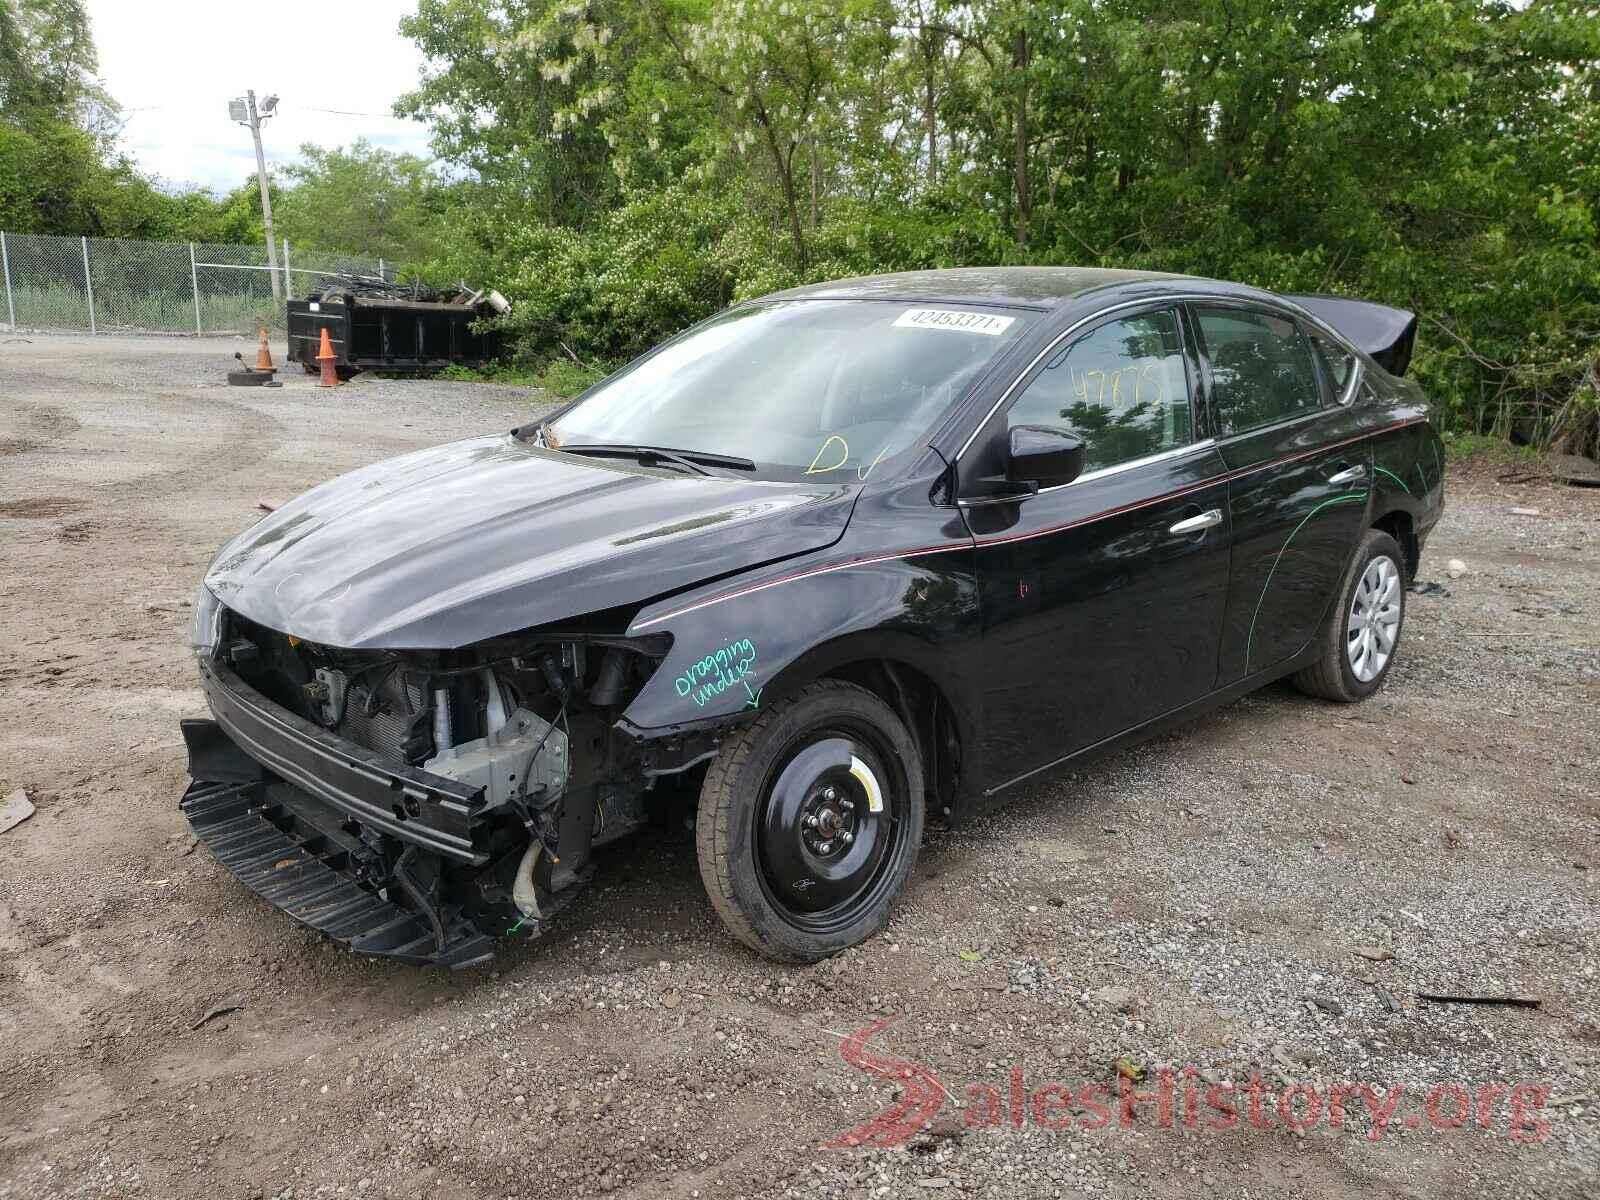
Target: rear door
1298, 481
1101, 599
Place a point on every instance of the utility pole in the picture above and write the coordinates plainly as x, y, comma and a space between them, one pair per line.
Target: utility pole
247, 114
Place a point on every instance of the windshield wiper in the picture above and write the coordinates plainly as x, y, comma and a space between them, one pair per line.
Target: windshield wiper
690, 460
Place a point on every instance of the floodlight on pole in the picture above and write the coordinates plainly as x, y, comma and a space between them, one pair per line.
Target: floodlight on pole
252, 116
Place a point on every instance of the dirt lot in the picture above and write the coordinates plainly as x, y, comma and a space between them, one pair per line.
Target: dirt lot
1195, 903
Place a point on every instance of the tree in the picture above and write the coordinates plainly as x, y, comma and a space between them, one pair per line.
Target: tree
59, 169
515, 95
363, 200
670, 155
47, 64
771, 65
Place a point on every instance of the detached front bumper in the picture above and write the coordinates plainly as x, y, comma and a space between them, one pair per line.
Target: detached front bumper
340, 839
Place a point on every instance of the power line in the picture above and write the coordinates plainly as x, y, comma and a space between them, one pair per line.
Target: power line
337, 112
341, 112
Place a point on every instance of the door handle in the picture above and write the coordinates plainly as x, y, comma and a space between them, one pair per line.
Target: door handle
1212, 516
1349, 474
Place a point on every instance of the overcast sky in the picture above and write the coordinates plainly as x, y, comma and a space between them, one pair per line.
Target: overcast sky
173, 65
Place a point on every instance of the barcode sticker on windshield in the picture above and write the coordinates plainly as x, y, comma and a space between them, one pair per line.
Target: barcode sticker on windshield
961, 322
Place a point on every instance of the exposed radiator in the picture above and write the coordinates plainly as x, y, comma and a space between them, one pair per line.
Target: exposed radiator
392, 714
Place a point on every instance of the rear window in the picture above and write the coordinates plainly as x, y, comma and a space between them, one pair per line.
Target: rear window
1261, 369
1339, 363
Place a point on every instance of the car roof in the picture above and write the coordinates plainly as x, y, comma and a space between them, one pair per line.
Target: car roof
1022, 287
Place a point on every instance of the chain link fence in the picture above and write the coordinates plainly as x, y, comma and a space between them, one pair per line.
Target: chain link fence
124, 285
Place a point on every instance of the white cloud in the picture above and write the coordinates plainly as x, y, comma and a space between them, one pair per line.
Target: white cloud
173, 65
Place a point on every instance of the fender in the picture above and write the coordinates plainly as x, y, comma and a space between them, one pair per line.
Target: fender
734, 657
1407, 469
1408, 479
1406, 466
742, 643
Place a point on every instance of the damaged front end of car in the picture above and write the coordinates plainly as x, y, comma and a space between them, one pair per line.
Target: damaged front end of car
416, 804
418, 674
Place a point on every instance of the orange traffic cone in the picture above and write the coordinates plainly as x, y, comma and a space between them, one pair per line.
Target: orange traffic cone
263, 354
330, 377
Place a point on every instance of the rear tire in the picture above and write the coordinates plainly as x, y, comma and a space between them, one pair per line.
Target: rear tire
1361, 636
809, 822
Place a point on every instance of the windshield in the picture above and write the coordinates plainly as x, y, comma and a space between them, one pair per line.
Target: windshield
825, 389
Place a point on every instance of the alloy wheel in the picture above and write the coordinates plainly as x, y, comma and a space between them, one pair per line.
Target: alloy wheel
1373, 625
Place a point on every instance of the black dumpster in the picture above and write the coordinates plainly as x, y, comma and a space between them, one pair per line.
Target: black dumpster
380, 330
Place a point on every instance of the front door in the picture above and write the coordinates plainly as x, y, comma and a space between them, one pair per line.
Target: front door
1299, 476
1101, 599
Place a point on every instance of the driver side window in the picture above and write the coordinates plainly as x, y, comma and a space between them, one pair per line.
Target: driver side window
1121, 387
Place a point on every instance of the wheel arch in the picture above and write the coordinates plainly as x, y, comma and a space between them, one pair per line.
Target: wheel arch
918, 684
1402, 527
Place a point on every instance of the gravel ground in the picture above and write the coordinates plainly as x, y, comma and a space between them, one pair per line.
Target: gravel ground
1261, 894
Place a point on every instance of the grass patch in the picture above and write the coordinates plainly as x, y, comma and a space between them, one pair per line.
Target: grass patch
490, 373
560, 379
563, 379
59, 306
1461, 446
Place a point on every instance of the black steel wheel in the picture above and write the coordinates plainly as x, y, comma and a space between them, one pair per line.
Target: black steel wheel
809, 822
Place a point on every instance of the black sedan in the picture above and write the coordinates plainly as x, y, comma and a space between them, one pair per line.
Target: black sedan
837, 558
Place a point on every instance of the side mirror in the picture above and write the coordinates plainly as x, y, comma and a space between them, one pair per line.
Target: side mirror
1043, 456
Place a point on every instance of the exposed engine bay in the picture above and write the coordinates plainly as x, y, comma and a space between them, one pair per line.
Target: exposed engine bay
500, 769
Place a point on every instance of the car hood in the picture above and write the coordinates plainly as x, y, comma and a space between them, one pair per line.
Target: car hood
448, 546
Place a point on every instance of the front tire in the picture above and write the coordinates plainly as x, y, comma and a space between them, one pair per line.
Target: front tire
809, 822
1361, 636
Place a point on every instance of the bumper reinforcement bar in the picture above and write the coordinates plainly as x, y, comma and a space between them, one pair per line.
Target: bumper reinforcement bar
430, 811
